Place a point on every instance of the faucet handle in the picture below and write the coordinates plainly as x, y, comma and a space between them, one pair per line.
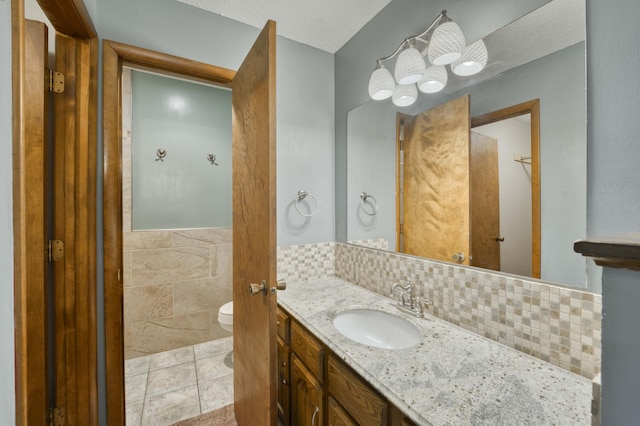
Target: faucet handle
422, 302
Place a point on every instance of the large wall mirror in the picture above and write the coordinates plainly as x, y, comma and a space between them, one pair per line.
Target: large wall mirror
538, 59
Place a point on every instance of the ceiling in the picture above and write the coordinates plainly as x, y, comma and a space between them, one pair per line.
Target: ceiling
548, 29
326, 25
329, 24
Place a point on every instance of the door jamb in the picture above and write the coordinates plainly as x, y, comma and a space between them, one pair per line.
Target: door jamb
115, 55
530, 107
70, 18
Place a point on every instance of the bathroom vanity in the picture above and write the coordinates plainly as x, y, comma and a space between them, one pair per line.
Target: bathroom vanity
452, 376
314, 384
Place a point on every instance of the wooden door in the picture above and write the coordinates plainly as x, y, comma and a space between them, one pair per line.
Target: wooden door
30, 231
485, 202
306, 396
436, 182
254, 233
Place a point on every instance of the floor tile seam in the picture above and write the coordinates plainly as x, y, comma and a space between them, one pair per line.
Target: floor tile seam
144, 398
195, 366
173, 365
215, 379
126, 376
212, 353
219, 358
171, 391
166, 390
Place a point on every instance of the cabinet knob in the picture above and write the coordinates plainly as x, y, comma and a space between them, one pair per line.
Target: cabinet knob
458, 257
282, 285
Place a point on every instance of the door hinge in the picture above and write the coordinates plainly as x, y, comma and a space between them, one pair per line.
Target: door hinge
55, 81
56, 417
55, 250
401, 229
401, 136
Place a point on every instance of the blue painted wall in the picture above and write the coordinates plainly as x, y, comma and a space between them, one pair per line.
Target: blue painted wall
7, 395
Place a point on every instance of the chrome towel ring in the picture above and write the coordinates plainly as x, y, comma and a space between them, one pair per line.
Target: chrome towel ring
368, 198
302, 194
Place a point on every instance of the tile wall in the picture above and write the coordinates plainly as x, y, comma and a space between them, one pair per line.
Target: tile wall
174, 283
559, 325
308, 261
174, 280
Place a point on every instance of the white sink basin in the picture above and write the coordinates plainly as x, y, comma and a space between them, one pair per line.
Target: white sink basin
378, 329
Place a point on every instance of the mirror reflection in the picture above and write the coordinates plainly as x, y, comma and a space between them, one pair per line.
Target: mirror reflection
554, 76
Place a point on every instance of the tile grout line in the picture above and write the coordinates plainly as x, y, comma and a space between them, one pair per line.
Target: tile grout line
195, 367
144, 398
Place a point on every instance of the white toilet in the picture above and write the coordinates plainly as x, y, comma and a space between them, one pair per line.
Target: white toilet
225, 316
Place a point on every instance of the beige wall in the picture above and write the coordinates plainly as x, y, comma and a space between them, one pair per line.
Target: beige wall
174, 283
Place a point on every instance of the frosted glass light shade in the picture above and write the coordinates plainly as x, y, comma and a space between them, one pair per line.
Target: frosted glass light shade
381, 84
447, 44
410, 66
472, 61
405, 95
434, 80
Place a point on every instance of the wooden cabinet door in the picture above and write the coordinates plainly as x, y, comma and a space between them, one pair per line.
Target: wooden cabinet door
306, 396
284, 382
435, 206
336, 416
254, 233
354, 395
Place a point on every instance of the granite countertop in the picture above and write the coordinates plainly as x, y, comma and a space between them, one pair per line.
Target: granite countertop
454, 377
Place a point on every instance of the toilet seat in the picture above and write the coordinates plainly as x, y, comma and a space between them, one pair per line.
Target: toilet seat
225, 316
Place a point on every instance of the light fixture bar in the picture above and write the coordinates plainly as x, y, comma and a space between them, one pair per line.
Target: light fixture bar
441, 17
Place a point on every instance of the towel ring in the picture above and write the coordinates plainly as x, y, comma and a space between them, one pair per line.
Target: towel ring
302, 194
363, 198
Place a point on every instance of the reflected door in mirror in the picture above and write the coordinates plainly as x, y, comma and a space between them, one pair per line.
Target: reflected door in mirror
433, 191
485, 202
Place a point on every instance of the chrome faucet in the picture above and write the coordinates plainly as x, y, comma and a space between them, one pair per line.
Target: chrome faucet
416, 304
411, 288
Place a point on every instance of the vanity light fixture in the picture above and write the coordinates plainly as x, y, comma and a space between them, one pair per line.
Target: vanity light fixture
442, 43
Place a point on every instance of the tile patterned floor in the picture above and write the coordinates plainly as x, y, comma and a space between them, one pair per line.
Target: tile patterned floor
167, 387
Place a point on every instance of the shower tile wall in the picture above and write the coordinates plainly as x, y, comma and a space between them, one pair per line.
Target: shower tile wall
174, 283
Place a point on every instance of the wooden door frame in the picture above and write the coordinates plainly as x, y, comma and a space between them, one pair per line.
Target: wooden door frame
530, 107
75, 307
115, 56
29, 179
400, 117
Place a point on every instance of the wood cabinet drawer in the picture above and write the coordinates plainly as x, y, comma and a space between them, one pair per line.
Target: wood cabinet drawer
337, 416
283, 325
356, 397
308, 349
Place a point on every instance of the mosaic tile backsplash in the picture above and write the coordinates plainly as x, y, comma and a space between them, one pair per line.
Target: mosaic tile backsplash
559, 325
306, 262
